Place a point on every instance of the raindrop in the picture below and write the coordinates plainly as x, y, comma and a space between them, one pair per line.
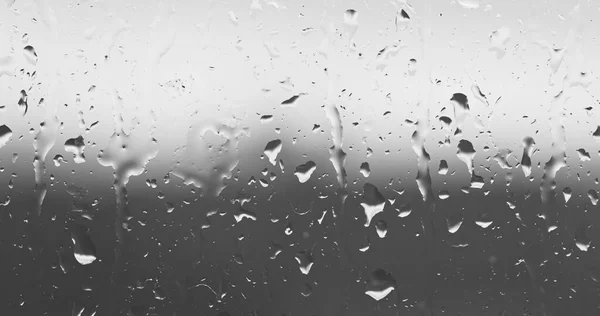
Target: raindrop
596, 133
241, 214
58, 159
478, 94
5, 135
76, 147
85, 250
381, 228
444, 194
291, 102
266, 119
583, 155
593, 195
380, 284
404, 210
306, 290
304, 171
305, 261
443, 168
373, 202
412, 67
528, 144
461, 100
466, 153
469, 4
446, 121
453, 226
272, 149
30, 55
402, 20
233, 18
483, 224
365, 169
23, 102
567, 192
498, 40
351, 22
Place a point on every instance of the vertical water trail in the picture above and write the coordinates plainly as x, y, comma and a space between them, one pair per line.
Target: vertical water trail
337, 154
548, 208
423, 178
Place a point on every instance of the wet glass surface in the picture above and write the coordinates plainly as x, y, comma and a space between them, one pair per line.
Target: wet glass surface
279, 157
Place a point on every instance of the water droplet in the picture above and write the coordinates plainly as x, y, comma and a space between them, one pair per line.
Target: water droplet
443, 168
596, 133
305, 261
402, 20
498, 40
466, 153
233, 18
567, 192
483, 224
478, 94
593, 196
351, 22
365, 169
241, 214
272, 149
583, 246
453, 225
404, 210
265, 119
444, 194
469, 4
381, 228
373, 202
380, 284
306, 290
291, 102
5, 135
30, 54
85, 250
461, 100
583, 155
76, 147
159, 294
304, 171
23, 102
412, 67
528, 144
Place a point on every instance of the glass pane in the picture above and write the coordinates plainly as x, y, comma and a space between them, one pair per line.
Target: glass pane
280, 157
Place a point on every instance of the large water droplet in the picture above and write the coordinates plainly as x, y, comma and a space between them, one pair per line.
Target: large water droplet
380, 284
593, 196
5, 135
76, 147
305, 261
466, 153
365, 169
304, 171
404, 210
84, 248
272, 149
373, 202
30, 55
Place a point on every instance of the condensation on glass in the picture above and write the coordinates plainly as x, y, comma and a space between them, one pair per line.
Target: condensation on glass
279, 157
